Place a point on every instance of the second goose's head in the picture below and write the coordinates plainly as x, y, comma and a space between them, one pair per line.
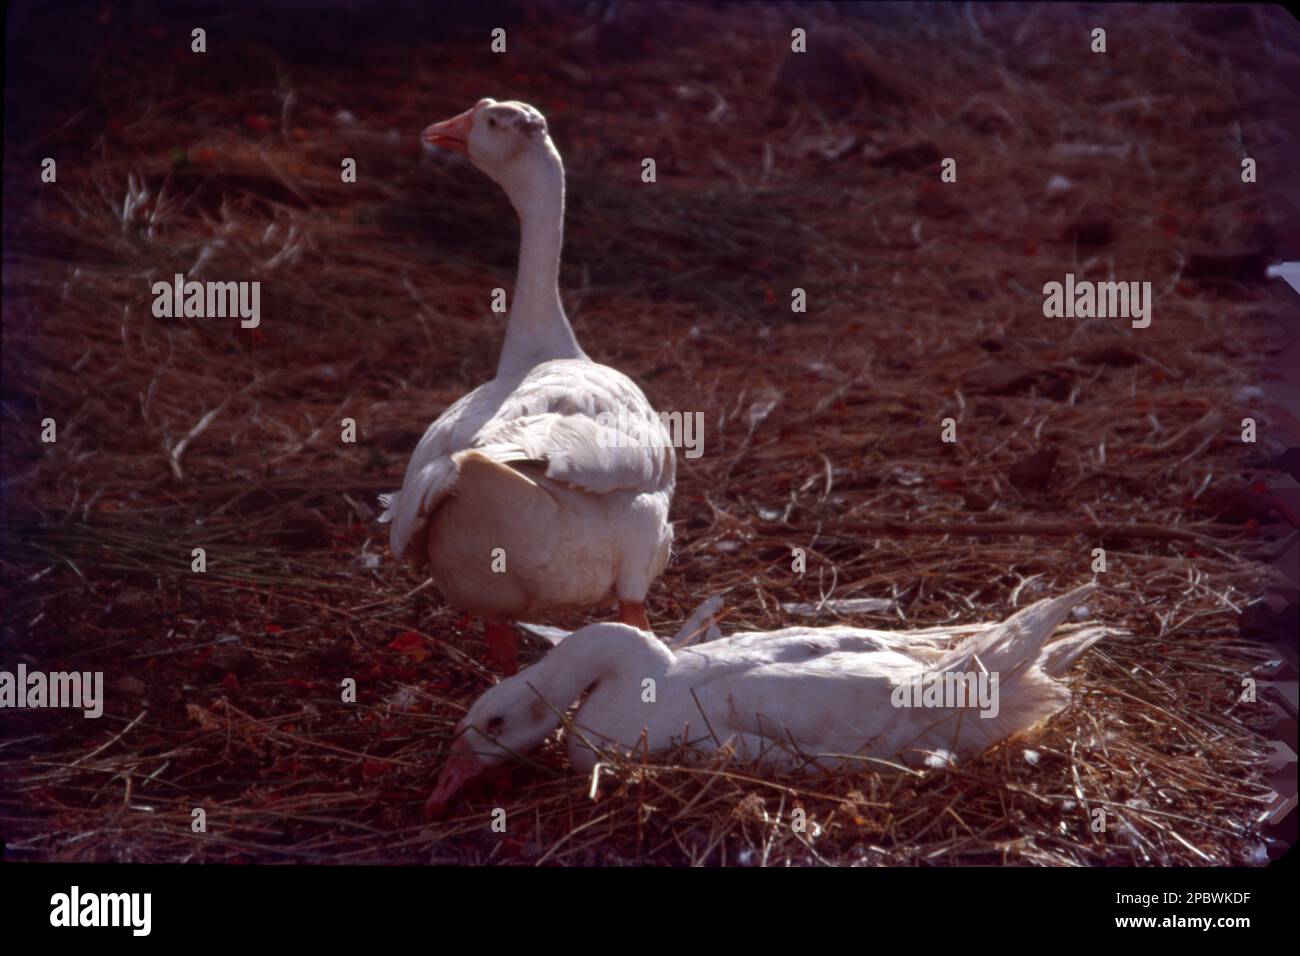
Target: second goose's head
508, 141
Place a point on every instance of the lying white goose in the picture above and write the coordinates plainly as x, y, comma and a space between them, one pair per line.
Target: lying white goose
559, 462
795, 699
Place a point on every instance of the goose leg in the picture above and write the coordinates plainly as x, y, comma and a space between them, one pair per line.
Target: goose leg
503, 650
633, 612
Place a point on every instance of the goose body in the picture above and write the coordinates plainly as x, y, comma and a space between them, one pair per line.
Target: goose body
528, 469
549, 486
798, 699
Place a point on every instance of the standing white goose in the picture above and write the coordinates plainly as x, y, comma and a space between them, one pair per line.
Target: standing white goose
794, 699
558, 469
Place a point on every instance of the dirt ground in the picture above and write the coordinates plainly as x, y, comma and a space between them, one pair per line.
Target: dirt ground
776, 171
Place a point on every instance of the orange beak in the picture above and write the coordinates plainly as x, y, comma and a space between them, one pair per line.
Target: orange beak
463, 768
451, 134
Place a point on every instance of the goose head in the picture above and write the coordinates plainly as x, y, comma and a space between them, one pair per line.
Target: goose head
509, 720
515, 716
506, 140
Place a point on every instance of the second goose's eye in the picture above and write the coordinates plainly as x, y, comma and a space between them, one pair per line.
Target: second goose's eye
495, 726
492, 122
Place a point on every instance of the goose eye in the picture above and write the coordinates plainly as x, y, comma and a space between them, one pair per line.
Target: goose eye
492, 122
495, 726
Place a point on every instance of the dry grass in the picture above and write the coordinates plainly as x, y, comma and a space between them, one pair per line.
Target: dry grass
821, 429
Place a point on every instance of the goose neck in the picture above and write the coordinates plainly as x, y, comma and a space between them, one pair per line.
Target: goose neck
538, 330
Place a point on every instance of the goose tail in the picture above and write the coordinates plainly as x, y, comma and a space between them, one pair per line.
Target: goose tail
1026, 663
408, 510
700, 627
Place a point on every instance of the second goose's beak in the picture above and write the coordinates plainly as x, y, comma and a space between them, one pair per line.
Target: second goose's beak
463, 767
451, 134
